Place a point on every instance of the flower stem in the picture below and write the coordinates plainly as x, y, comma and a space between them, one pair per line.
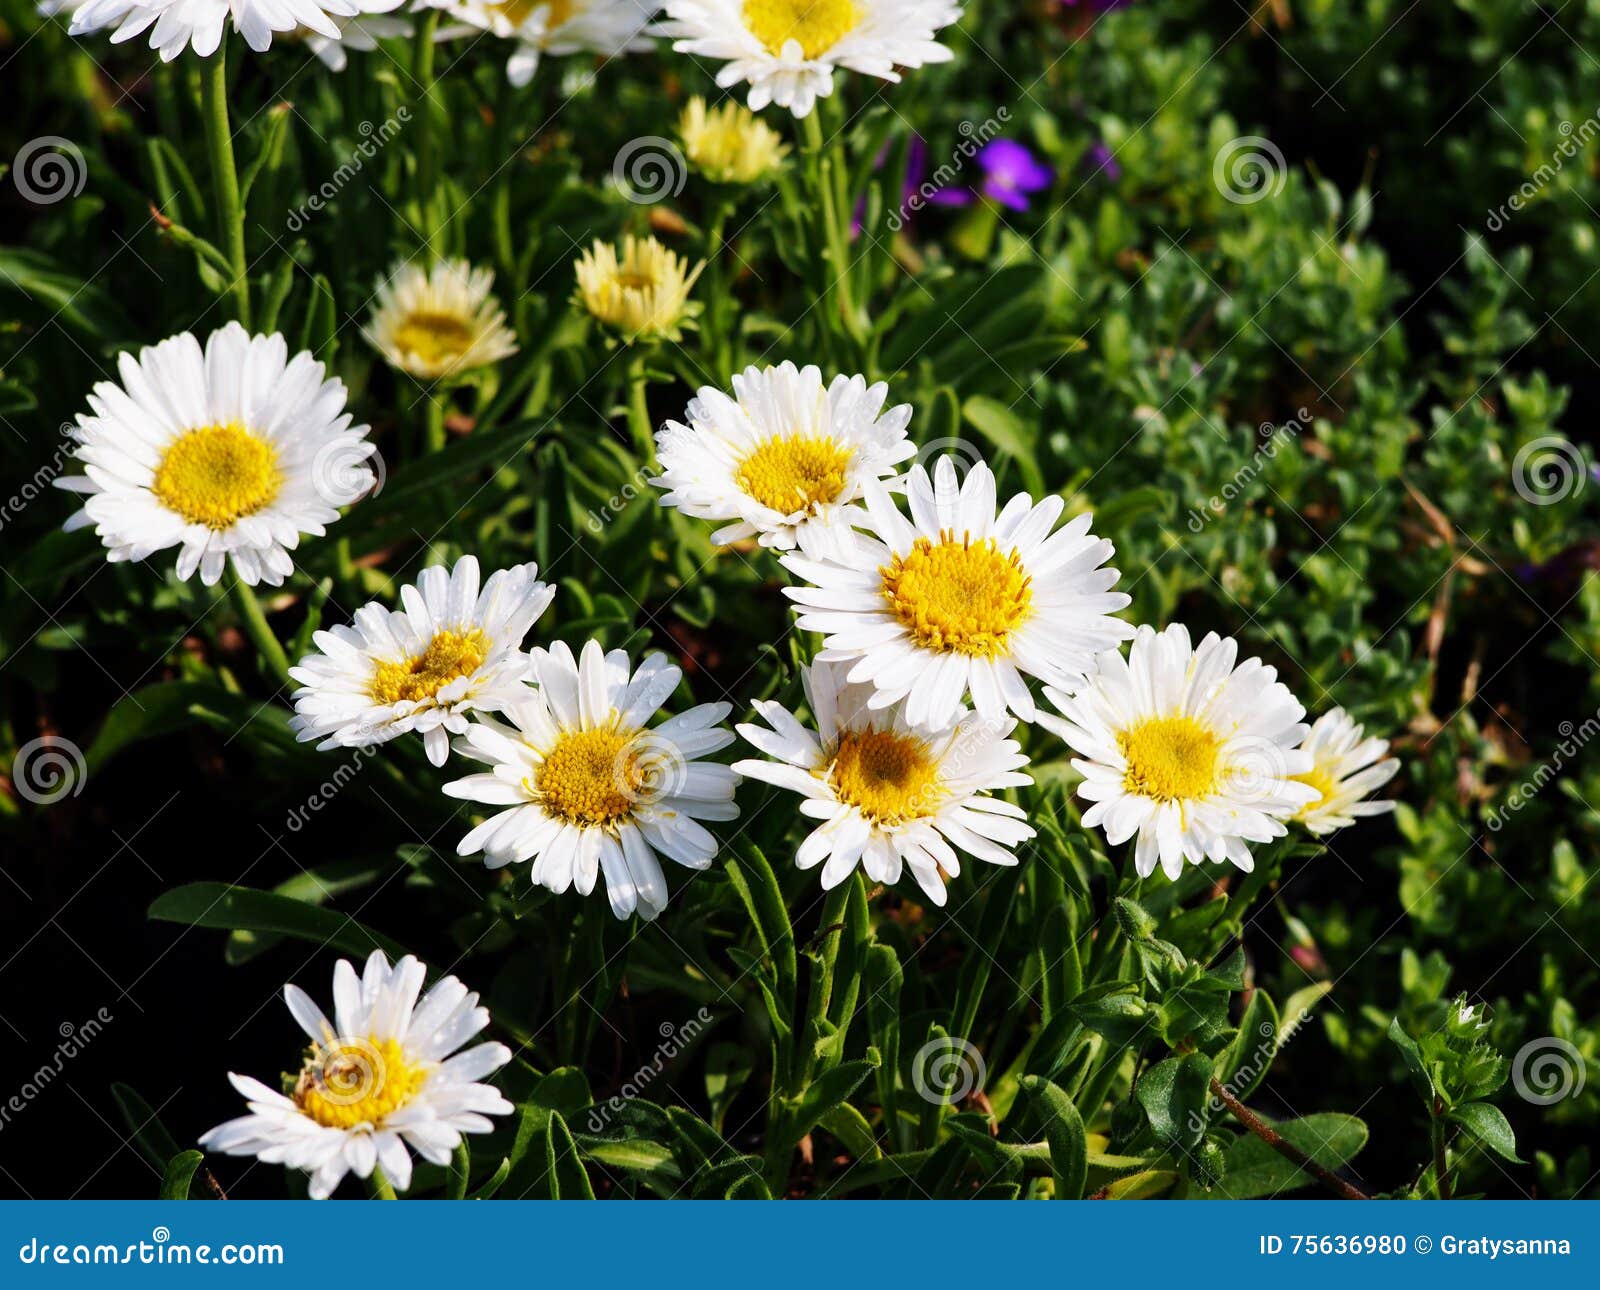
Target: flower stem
225, 177
378, 1185
433, 433
427, 164
1282, 1145
260, 632
1441, 1160
639, 425
837, 284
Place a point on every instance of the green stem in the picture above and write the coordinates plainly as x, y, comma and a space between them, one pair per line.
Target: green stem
639, 425
427, 163
433, 427
378, 1185
259, 632
225, 177
836, 227
716, 272
1441, 1160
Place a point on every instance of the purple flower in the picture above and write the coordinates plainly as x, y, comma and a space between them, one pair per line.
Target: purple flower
1100, 161
1011, 172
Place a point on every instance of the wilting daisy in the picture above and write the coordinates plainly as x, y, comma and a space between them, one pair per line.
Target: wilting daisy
451, 650
198, 24
589, 789
604, 27
787, 49
233, 452
643, 293
889, 795
780, 457
375, 1080
1345, 768
729, 144
959, 597
439, 321
1178, 745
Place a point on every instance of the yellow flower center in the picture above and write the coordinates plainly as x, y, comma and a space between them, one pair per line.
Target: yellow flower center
519, 11
888, 777
960, 596
795, 473
1169, 759
1321, 779
592, 777
356, 1081
449, 655
818, 25
437, 339
216, 474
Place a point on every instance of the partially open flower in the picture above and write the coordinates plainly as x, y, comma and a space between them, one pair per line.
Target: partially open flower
643, 293
439, 322
730, 144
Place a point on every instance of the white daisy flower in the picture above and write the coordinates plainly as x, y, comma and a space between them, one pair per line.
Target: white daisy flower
232, 453
361, 34
451, 650
376, 1080
1345, 768
559, 27
890, 795
439, 321
1196, 756
959, 597
783, 455
787, 49
198, 24
588, 789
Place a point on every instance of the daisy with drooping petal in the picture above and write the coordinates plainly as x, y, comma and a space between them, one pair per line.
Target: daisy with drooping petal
377, 1079
452, 649
231, 452
589, 789
782, 456
729, 144
889, 795
643, 293
959, 597
1195, 755
787, 49
604, 27
198, 24
440, 321
1345, 769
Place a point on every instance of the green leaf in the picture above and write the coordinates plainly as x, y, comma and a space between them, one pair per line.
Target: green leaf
460, 1170
228, 908
1063, 1130
179, 1173
1174, 1094
1488, 1124
1416, 1067
1256, 1170
149, 1134
827, 1092
1004, 429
